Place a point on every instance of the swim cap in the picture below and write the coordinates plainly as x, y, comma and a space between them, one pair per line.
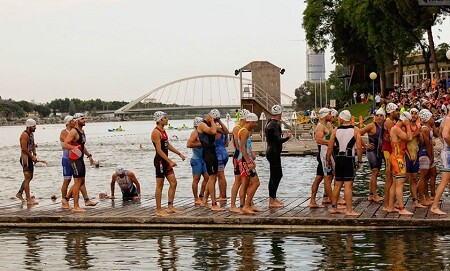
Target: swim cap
391, 107
30, 123
68, 119
413, 110
380, 112
120, 170
252, 117
78, 116
334, 112
345, 115
425, 115
158, 115
215, 113
197, 121
405, 115
244, 113
323, 112
276, 110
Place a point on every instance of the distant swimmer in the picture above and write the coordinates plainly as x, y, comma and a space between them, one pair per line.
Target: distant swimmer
129, 185
27, 160
75, 143
163, 164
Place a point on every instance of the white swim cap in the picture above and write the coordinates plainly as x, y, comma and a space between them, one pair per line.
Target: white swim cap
158, 115
405, 115
391, 107
380, 112
215, 113
334, 112
276, 110
323, 112
78, 116
425, 115
197, 121
244, 113
345, 115
30, 123
68, 119
120, 170
413, 110
252, 117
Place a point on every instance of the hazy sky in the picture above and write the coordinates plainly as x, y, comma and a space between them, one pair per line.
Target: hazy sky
121, 49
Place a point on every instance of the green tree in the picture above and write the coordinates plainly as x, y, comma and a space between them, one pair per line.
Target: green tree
43, 111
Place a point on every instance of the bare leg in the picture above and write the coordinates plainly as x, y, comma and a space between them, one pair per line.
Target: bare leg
64, 201
19, 194
348, 195
422, 187
234, 192
211, 187
327, 185
412, 177
195, 181
433, 175
373, 186
222, 186
78, 182
400, 183
314, 189
243, 191
387, 188
335, 196
251, 190
158, 196
171, 194
439, 191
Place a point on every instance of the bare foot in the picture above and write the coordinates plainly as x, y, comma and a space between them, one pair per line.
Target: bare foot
198, 202
235, 209
221, 199
404, 212
256, 208
216, 208
352, 213
335, 211
341, 201
341, 207
378, 199
326, 201
391, 210
425, 202
416, 204
90, 203
173, 210
247, 211
161, 213
19, 196
437, 211
65, 204
315, 205
78, 210
279, 201
370, 198
31, 202
273, 203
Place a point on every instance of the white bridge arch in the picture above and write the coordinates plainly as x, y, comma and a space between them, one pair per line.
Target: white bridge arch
202, 91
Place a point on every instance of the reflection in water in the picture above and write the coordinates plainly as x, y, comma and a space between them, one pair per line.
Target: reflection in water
224, 250
77, 255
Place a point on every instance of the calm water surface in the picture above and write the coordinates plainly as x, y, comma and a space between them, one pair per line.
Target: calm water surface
194, 250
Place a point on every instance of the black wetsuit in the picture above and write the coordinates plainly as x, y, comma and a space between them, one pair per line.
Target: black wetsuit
273, 154
209, 151
78, 166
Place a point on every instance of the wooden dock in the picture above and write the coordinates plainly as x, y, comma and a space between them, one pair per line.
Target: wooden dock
295, 216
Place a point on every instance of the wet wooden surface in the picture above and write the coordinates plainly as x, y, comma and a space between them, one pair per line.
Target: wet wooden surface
296, 215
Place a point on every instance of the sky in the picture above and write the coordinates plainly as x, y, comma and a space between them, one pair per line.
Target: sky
121, 49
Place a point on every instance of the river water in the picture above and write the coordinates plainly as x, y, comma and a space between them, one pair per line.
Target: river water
191, 250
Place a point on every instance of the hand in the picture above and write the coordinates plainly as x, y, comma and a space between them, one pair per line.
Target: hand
289, 135
137, 197
112, 197
91, 161
172, 163
370, 146
406, 122
358, 165
182, 156
34, 159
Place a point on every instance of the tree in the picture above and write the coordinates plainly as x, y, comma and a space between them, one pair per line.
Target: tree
43, 111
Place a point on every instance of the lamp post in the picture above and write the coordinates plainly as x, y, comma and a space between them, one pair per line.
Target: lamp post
373, 76
294, 123
262, 118
448, 54
332, 89
320, 91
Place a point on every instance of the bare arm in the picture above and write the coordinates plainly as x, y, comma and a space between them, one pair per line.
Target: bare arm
113, 183
174, 150
69, 138
243, 138
135, 181
224, 128
358, 146
320, 132
446, 132
330, 147
24, 148
428, 143
156, 139
193, 141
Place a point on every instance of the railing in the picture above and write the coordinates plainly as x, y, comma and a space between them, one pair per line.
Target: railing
253, 91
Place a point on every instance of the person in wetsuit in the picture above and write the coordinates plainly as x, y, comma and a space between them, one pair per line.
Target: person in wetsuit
275, 142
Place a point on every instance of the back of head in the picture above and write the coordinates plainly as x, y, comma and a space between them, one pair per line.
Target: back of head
391, 107
251, 117
276, 109
30, 123
78, 116
345, 115
68, 119
244, 113
215, 113
197, 121
323, 112
158, 115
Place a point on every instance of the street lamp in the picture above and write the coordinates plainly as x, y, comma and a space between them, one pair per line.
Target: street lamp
262, 118
332, 88
373, 76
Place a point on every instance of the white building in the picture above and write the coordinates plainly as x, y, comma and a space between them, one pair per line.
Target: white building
315, 66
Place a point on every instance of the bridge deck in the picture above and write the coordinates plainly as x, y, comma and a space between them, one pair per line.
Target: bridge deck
295, 216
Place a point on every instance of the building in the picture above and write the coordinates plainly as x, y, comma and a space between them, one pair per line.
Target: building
315, 66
